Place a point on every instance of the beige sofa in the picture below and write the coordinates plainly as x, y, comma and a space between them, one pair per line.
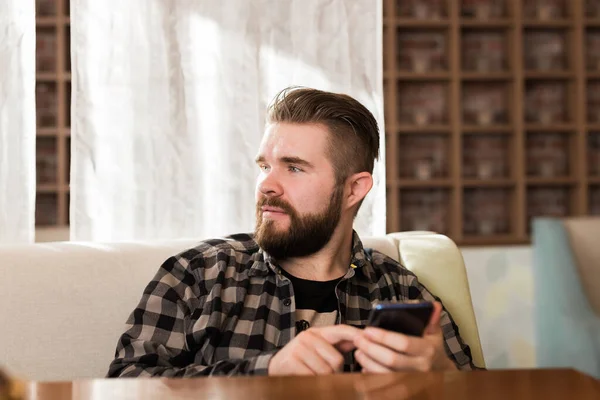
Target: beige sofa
64, 304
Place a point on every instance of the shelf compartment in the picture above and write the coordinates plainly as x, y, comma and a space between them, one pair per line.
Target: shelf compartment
593, 101
548, 201
486, 157
414, 183
420, 76
592, 50
594, 202
45, 8
486, 76
545, 50
46, 207
46, 161
46, 104
485, 104
422, 104
546, 102
547, 155
421, 10
439, 129
594, 154
483, 11
487, 211
484, 51
545, 10
487, 130
423, 157
421, 51
592, 9
425, 210
45, 55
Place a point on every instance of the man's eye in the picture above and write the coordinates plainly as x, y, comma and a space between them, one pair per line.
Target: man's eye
263, 167
294, 169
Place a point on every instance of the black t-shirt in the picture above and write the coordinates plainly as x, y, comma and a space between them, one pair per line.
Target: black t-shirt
316, 302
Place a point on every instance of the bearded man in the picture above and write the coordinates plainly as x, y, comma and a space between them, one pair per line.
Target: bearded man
294, 297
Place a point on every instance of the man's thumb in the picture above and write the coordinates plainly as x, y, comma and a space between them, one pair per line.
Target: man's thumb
434, 322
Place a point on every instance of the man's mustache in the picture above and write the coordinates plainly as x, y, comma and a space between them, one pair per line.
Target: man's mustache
275, 202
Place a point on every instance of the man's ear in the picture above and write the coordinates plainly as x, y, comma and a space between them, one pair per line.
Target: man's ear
357, 187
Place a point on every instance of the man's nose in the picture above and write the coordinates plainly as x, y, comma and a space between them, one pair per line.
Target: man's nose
269, 185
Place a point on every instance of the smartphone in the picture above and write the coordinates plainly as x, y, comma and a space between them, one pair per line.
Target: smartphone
407, 318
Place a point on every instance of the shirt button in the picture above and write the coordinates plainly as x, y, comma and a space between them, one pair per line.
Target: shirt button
287, 302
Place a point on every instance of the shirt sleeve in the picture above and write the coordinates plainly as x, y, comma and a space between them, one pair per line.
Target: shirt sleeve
155, 342
456, 349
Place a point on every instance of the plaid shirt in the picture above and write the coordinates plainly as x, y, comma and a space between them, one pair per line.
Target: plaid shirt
224, 308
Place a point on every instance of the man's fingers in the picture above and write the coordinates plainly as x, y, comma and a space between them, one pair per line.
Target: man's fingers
434, 322
338, 333
310, 357
299, 368
411, 345
327, 359
368, 364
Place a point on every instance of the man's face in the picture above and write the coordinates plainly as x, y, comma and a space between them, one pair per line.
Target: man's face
298, 205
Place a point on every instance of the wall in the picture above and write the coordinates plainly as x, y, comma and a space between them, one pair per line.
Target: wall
501, 285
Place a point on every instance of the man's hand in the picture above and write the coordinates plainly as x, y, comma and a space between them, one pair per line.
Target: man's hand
315, 351
379, 350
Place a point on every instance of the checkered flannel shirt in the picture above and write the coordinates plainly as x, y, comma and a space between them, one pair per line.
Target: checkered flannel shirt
224, 308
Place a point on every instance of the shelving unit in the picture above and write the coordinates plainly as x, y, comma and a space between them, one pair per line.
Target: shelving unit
479, 176
53, 113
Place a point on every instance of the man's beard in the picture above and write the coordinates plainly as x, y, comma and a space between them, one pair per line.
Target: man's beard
305, 235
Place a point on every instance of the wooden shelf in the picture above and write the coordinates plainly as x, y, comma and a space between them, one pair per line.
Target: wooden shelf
416, 183
565, 127
486, 76
47, 188
592, 22
593, 74
554, 181
489, 183
420, 129
492, 240
419, 76
59, 131
507, 40
551, 24
495, 23
46, 77
421, 23
46, 21
487, 129
47, 132
549, 74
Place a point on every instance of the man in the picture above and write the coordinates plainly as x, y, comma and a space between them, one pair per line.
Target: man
293, 297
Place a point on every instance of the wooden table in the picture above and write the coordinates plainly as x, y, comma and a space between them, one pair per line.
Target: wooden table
512, 385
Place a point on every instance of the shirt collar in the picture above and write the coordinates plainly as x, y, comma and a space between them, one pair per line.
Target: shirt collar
360, 260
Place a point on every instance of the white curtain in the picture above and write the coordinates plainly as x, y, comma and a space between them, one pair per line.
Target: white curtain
17, 121
169, 101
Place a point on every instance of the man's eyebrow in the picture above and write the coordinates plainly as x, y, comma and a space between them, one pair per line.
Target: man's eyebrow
287, 160
296, 160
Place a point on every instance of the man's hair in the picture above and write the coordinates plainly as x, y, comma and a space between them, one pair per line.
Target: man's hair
354, 136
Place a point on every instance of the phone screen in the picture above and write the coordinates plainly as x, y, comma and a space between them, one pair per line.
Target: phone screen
407, 318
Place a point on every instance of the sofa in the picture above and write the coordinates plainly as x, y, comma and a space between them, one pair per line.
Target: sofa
566, 273
64, 304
